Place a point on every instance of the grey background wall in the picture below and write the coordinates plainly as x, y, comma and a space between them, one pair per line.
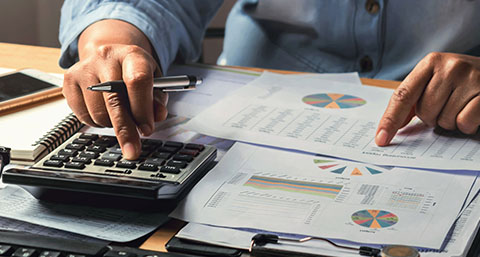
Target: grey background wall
35, 22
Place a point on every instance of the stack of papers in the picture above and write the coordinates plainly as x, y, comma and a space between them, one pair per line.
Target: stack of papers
332, 118
287, 192
316, 171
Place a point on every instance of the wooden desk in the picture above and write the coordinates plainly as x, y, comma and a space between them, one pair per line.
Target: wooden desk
46, 59
22, 56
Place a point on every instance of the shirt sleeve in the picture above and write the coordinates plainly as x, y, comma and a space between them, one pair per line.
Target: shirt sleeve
172, 26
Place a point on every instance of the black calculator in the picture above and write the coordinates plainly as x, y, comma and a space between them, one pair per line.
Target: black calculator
92, 165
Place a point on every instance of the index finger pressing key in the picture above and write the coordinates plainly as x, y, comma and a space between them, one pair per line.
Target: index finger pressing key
401, 103
123, 124
138, 71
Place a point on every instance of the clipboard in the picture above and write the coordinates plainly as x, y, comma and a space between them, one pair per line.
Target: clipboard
258, 248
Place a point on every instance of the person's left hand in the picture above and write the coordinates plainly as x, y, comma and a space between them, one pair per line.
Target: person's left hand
442, 90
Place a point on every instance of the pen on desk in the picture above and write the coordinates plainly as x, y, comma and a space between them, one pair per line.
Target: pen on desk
166, 84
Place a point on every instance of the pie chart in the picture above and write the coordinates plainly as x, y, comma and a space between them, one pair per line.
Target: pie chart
374, 218
333, 101
339, 167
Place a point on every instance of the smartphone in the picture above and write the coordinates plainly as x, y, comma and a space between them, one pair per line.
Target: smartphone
27, 86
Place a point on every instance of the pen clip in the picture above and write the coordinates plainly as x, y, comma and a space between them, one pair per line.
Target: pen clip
179, 89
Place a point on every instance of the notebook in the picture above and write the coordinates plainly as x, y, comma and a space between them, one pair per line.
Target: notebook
33, 132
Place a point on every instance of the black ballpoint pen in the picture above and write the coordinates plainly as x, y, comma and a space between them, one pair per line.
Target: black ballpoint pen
166, 84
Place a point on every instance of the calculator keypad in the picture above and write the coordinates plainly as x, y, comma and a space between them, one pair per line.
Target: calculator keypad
99, 154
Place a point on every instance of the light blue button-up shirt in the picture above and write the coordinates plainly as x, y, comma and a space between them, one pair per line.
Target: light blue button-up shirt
380, 39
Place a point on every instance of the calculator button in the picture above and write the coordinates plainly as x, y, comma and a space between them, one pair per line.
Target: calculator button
176, 145
148, 148
89, 136
5, 250
148, 167
58, 157
69, 152
78, 147
82, 159
24, 252
170, 169
103, 162
155, 161
96, 148
144, 154
189, 152
106, 141
183, 157
115, 150
53, 163
161, 155
167, 149
112, 156
197, 147
92, 155
119, 254
126, 164
82, 141
49, 254
75, 165
178, 164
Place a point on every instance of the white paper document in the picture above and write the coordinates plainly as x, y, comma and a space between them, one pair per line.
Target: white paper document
17, 225
457, 243
219, 82
330, 118
103, 223
269, 189
463, 234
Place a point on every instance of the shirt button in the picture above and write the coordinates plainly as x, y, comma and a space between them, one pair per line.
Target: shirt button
366, 64
372, 6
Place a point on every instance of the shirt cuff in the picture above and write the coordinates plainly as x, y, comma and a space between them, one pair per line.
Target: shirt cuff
117, 11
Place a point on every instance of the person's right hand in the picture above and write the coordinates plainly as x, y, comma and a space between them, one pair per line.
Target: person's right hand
127, 59
442, 90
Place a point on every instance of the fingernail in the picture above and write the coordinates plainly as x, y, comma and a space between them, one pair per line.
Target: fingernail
129, 151
145, 130
382, 138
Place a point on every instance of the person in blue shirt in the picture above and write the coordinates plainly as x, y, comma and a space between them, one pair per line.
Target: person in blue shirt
433, 46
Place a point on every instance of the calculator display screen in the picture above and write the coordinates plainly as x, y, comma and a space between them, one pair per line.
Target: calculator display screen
18, 84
